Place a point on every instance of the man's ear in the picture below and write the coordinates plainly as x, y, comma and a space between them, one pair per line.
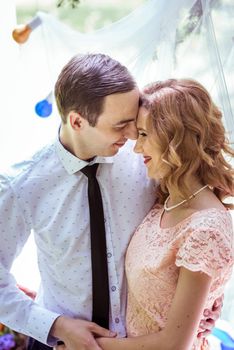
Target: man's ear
77, 122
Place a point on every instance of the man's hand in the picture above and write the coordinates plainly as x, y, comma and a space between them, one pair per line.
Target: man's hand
78, 334
210, 317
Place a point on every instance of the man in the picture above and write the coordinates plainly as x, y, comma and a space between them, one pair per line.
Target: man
98, 102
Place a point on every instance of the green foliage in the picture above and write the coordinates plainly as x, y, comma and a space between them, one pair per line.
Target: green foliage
87, 16
72, 3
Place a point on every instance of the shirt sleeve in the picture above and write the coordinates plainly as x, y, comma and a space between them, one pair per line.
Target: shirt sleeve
207, 250
17, 310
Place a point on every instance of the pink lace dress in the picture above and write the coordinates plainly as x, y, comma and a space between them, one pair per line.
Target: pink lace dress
201, 242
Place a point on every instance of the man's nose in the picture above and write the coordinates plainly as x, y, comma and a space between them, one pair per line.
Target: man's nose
137, 148
130, 131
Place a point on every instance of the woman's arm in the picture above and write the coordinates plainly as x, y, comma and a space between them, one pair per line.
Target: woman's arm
183, 319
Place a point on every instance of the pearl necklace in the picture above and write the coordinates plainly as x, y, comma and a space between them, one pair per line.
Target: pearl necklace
182, 202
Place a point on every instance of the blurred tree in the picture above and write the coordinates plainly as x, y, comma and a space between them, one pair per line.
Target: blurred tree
193, 20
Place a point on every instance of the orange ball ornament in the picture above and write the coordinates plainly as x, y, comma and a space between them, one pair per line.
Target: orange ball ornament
21, 33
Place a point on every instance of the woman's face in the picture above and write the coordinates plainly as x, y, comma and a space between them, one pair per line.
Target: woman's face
146, 145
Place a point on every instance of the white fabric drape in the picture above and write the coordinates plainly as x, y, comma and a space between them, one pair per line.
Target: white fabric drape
151, 42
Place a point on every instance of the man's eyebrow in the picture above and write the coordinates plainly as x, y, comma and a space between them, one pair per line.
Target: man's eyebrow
125, 121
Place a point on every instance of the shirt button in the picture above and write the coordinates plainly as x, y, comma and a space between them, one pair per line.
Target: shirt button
116, 320
109, 255
113, 288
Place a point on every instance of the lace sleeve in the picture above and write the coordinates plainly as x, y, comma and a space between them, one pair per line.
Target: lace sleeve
206, 250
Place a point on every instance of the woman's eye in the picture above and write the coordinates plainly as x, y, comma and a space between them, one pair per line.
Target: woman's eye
142, 134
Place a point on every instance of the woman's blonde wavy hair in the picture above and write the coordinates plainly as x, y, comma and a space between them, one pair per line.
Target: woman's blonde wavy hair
191, 137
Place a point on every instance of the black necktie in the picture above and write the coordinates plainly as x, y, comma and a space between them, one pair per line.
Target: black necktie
98, 249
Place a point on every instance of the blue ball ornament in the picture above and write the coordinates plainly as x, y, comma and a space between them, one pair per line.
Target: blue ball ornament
43, 108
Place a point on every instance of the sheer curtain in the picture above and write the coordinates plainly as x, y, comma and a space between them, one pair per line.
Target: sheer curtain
160, 39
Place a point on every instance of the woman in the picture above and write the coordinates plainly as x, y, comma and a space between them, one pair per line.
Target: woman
181, 256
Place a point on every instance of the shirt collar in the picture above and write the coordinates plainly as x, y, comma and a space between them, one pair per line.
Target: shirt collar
71, 163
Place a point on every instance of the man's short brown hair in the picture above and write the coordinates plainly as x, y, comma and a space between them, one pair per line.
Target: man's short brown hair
86, 80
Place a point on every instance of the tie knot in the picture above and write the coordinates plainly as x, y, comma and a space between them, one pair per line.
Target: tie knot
90, 170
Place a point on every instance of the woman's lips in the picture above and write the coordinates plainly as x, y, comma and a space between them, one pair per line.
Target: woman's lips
147, 159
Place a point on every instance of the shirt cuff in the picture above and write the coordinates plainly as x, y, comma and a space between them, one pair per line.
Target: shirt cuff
39, 324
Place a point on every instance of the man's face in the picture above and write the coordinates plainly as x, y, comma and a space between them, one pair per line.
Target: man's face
114, 126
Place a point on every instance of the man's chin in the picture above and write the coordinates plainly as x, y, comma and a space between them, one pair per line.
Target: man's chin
111, 152
116, 147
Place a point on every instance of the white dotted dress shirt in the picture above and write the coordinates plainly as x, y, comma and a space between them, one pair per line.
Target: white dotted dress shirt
47, 196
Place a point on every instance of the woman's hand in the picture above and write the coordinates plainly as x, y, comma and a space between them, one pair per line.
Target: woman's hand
30, 293
210, 317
